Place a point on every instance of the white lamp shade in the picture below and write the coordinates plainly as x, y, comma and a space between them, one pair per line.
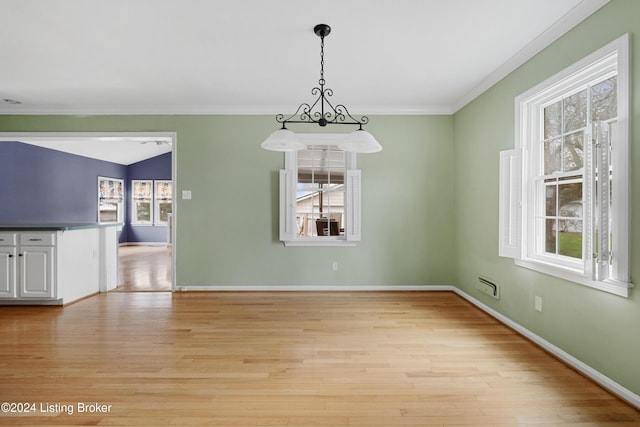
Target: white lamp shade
283, 140
360, 141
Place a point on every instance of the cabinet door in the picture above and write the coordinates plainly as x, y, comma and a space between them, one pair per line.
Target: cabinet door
7, 272
36, 272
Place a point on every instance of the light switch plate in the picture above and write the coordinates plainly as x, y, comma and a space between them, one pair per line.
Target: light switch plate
538, 303
186, 194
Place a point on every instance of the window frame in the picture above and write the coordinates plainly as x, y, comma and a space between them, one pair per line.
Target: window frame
518, 172
288, 197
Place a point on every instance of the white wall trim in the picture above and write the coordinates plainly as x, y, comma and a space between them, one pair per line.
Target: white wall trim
576, 364
269, 110
144, 243
332, 288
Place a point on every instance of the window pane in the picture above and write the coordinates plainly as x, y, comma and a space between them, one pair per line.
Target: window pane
306, 225
573, 154
570, 238
575, 111
550, 198
327, 227
550, 236
165, 210
604, 102
108, 212
321, 165
570, 200
552, 156
306, 202
301, 224
143, 211
553, 120
332, 201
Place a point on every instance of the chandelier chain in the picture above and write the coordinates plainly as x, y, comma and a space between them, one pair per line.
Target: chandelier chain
321, 81
322, 111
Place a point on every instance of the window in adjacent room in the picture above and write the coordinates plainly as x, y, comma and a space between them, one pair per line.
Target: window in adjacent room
142, 202
163, 205
110, 199
565, 188
320, 195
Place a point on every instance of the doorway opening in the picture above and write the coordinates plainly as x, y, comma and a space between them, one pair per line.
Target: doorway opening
146, 240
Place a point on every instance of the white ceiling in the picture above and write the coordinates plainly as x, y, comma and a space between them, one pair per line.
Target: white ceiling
257, 56
124, 150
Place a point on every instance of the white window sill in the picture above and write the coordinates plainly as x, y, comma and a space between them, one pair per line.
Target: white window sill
612, 286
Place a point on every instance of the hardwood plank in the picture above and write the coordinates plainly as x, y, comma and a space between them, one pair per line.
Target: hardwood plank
288, 359
144, 269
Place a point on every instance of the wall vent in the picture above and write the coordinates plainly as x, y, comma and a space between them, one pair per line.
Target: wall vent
488, 287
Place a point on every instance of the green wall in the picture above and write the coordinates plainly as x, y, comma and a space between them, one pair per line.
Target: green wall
598, 328
228, 233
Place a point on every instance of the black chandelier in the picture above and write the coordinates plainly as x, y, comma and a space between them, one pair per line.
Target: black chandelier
322, 112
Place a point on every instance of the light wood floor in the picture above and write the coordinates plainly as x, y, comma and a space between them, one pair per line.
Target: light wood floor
144, 268
288, 359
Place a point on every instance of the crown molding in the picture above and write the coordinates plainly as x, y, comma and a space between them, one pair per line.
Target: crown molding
97, 110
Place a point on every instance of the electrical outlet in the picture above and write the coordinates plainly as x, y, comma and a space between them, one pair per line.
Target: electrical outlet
334, 266
538, 303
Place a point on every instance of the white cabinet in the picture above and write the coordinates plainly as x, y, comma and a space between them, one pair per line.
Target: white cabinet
27, 265
7, 271
35, 272
54, 266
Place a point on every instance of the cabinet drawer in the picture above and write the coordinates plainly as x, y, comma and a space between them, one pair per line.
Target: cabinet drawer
37, 239
8, 239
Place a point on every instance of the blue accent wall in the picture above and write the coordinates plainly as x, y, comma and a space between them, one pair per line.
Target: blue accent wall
40, 185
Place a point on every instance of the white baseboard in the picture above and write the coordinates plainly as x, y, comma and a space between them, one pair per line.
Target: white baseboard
327, 288
143, 244
576, 364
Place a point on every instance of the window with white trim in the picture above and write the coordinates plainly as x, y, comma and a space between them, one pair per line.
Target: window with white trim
320, 195
142, 202
564, 189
